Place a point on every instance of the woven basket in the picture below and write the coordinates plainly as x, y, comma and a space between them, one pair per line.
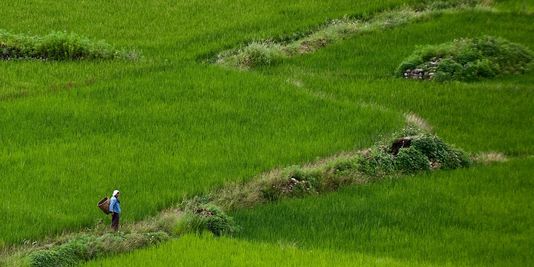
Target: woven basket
104, 205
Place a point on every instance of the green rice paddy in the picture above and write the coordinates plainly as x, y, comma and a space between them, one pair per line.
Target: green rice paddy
170, 125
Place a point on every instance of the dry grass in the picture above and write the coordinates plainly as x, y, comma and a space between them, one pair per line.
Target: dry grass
414, 120
490, 157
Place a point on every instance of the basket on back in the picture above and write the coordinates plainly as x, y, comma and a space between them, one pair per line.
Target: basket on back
104, 205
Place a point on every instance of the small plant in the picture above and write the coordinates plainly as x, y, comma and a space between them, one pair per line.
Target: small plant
468, 59
411, 160
67, 254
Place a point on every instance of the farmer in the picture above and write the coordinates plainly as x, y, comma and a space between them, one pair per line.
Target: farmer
115, 209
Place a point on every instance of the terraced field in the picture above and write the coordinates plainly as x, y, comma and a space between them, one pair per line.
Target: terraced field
163, 127
171, 125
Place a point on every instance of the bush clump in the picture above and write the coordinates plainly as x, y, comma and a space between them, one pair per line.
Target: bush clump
200, 216
57, 46
439, 153
411, 160
415, 151
255, 54
377, 162
468, 59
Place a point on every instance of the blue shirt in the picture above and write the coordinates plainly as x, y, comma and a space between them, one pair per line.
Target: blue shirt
114, 205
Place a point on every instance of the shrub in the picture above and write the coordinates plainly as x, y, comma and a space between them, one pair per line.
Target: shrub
424, 151
411, 160
200, 217
430, 146
345, 166
57, 46
467, 59
378, 162
456, 158
67, 254
439, 153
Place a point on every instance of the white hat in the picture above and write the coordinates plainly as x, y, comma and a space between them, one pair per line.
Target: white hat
115, 193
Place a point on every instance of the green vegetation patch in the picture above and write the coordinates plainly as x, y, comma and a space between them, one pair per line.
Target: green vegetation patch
200, 216
57, 46
411, 151
467, 59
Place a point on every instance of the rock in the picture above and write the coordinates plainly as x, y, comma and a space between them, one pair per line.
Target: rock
400, 143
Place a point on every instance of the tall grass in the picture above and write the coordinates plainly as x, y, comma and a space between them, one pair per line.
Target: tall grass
158, 146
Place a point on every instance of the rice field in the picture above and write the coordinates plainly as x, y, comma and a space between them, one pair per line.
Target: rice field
164, 126
169, 125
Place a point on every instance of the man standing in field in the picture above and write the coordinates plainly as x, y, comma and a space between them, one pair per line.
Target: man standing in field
115, 209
